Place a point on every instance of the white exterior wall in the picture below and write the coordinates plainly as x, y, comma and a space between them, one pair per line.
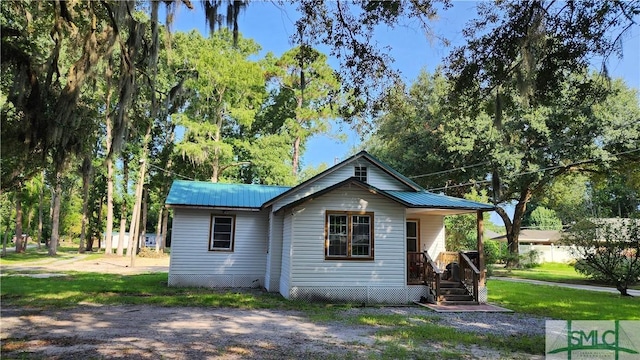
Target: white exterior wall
431, 233
274, 254
382, 280
375, 177
285, 272
192, 264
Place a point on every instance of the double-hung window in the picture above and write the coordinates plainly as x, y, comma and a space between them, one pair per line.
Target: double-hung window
349, 236
222, 233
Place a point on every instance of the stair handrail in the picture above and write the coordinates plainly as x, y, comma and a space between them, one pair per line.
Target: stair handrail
432, 275
466, 263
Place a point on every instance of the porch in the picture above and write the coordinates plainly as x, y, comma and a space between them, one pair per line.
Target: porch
453, 277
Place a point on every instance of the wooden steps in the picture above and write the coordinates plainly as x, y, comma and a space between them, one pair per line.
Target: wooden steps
454, 292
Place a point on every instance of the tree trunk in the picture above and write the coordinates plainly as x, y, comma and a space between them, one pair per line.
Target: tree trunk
158, 229
97, 235
622, 289
133, 232
165, 222
296, 155
216, 167
18, 200
109, 162
139, 188
513, 228
143, 222
40, 210
518, 215
4, 240
508, 226
55, 218
27, 237
109, 231
108, 236
86, 181
215, 176
123, 206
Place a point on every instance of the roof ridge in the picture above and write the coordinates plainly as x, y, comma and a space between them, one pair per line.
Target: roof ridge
234, 184
391, 170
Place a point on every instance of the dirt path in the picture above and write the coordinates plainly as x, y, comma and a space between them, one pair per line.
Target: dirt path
80, 262
145, 332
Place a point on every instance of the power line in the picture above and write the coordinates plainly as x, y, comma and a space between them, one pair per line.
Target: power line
530, 172
448, 171
171, 172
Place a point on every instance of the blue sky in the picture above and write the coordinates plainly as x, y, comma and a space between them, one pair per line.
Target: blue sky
271, 26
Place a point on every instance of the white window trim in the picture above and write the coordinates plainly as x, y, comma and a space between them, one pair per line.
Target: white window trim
361, 173
233, 232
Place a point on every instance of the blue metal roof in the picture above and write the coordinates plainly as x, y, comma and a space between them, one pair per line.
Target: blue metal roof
425, 199
200, 193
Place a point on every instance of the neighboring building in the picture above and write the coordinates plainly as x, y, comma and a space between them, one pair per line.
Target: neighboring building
544, 242
351, 233
149, 240
115, 239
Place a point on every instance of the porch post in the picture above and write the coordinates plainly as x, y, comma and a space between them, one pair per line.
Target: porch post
481, 267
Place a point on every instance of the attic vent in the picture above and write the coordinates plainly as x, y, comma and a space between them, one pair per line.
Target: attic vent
360, 173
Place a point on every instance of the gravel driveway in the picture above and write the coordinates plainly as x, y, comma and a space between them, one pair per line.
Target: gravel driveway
146, 332
92, 331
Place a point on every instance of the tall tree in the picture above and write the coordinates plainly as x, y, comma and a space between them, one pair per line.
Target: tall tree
308, 95
529, 58
462, 145
348, 28
225, 95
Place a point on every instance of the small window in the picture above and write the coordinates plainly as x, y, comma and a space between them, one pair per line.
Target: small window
222, 233
349, 236
361, 173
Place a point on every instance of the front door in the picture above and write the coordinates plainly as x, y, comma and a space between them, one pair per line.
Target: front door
414, 258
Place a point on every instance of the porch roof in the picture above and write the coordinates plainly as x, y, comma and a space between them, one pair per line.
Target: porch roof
425, 199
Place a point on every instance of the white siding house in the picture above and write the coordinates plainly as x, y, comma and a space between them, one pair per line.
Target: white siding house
340, 236
242, 267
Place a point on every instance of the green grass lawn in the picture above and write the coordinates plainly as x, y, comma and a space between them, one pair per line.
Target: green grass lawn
42, 254
552, 272
75, 288
562, 303
555, 272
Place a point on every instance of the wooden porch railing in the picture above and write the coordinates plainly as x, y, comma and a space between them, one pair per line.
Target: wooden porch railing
423, 270
469, 274
432, 275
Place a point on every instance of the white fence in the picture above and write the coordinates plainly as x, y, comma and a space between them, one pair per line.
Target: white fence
549, 253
